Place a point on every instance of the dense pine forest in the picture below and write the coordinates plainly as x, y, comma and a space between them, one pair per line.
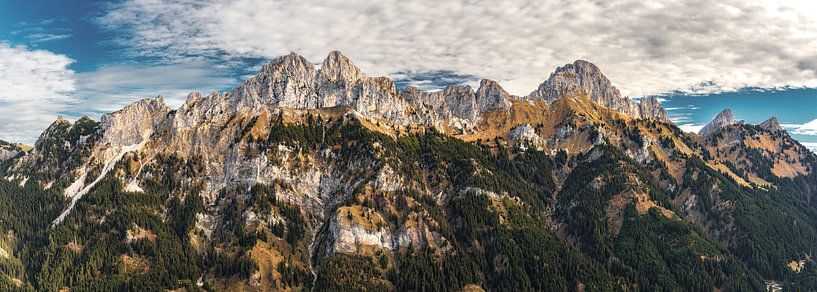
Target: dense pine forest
501, 223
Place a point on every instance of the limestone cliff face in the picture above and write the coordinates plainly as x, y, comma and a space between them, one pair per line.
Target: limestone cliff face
577, 79
492, 97
722, 120
650, 107
135, 123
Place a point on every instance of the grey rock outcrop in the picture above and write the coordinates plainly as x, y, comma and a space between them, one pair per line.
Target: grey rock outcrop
8, 151
651, 108
771, 124
492, 97
722, 120
134, 123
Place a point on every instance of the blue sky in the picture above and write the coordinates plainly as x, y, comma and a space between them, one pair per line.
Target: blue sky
75, 58
794, 109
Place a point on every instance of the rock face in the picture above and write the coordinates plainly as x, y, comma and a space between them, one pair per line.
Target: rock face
584, 79
8, 150
650, 107
134, 123
526, 135
491, 97
722, 120
771, 124
343, 192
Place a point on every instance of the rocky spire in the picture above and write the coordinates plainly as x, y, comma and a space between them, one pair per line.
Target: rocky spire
492, 97
771, 124
288, 81
461, 101
650, 108
722, 120
338, 69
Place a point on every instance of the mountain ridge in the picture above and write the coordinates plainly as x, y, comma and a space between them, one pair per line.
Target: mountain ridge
325, 178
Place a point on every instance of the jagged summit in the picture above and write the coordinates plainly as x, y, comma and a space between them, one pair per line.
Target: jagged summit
292, 81
576, 79
338, 68
491, 96
771, 124
722, 120
582, 78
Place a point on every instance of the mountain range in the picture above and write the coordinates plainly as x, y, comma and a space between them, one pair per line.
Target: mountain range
324, 178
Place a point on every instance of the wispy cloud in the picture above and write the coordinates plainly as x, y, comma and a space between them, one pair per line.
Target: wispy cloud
36, 85
44, 30
680, 118
688, 107
46, 37
111, 87
645, 47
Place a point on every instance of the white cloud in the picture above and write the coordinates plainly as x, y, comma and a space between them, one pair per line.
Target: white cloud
37, 86
110, 88
809, 128
34, 86
810, 145
645, 47
691, 128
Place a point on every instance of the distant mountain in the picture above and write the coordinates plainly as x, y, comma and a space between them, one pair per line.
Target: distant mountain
327, 179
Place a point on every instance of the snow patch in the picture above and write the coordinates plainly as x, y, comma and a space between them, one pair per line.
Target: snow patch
75, 196
133, 187
76, 186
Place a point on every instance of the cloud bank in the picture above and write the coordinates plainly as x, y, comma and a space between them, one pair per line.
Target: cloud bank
36, 84
645, 47
809, 128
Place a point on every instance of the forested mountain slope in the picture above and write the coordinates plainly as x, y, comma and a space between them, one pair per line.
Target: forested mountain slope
304, 178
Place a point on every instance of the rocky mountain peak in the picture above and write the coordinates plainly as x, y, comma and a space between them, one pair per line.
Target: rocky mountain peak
461, 100
491, 96
722, 120
59, 125
287, 65
584, 79
771, 124
581, 78
338, 68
